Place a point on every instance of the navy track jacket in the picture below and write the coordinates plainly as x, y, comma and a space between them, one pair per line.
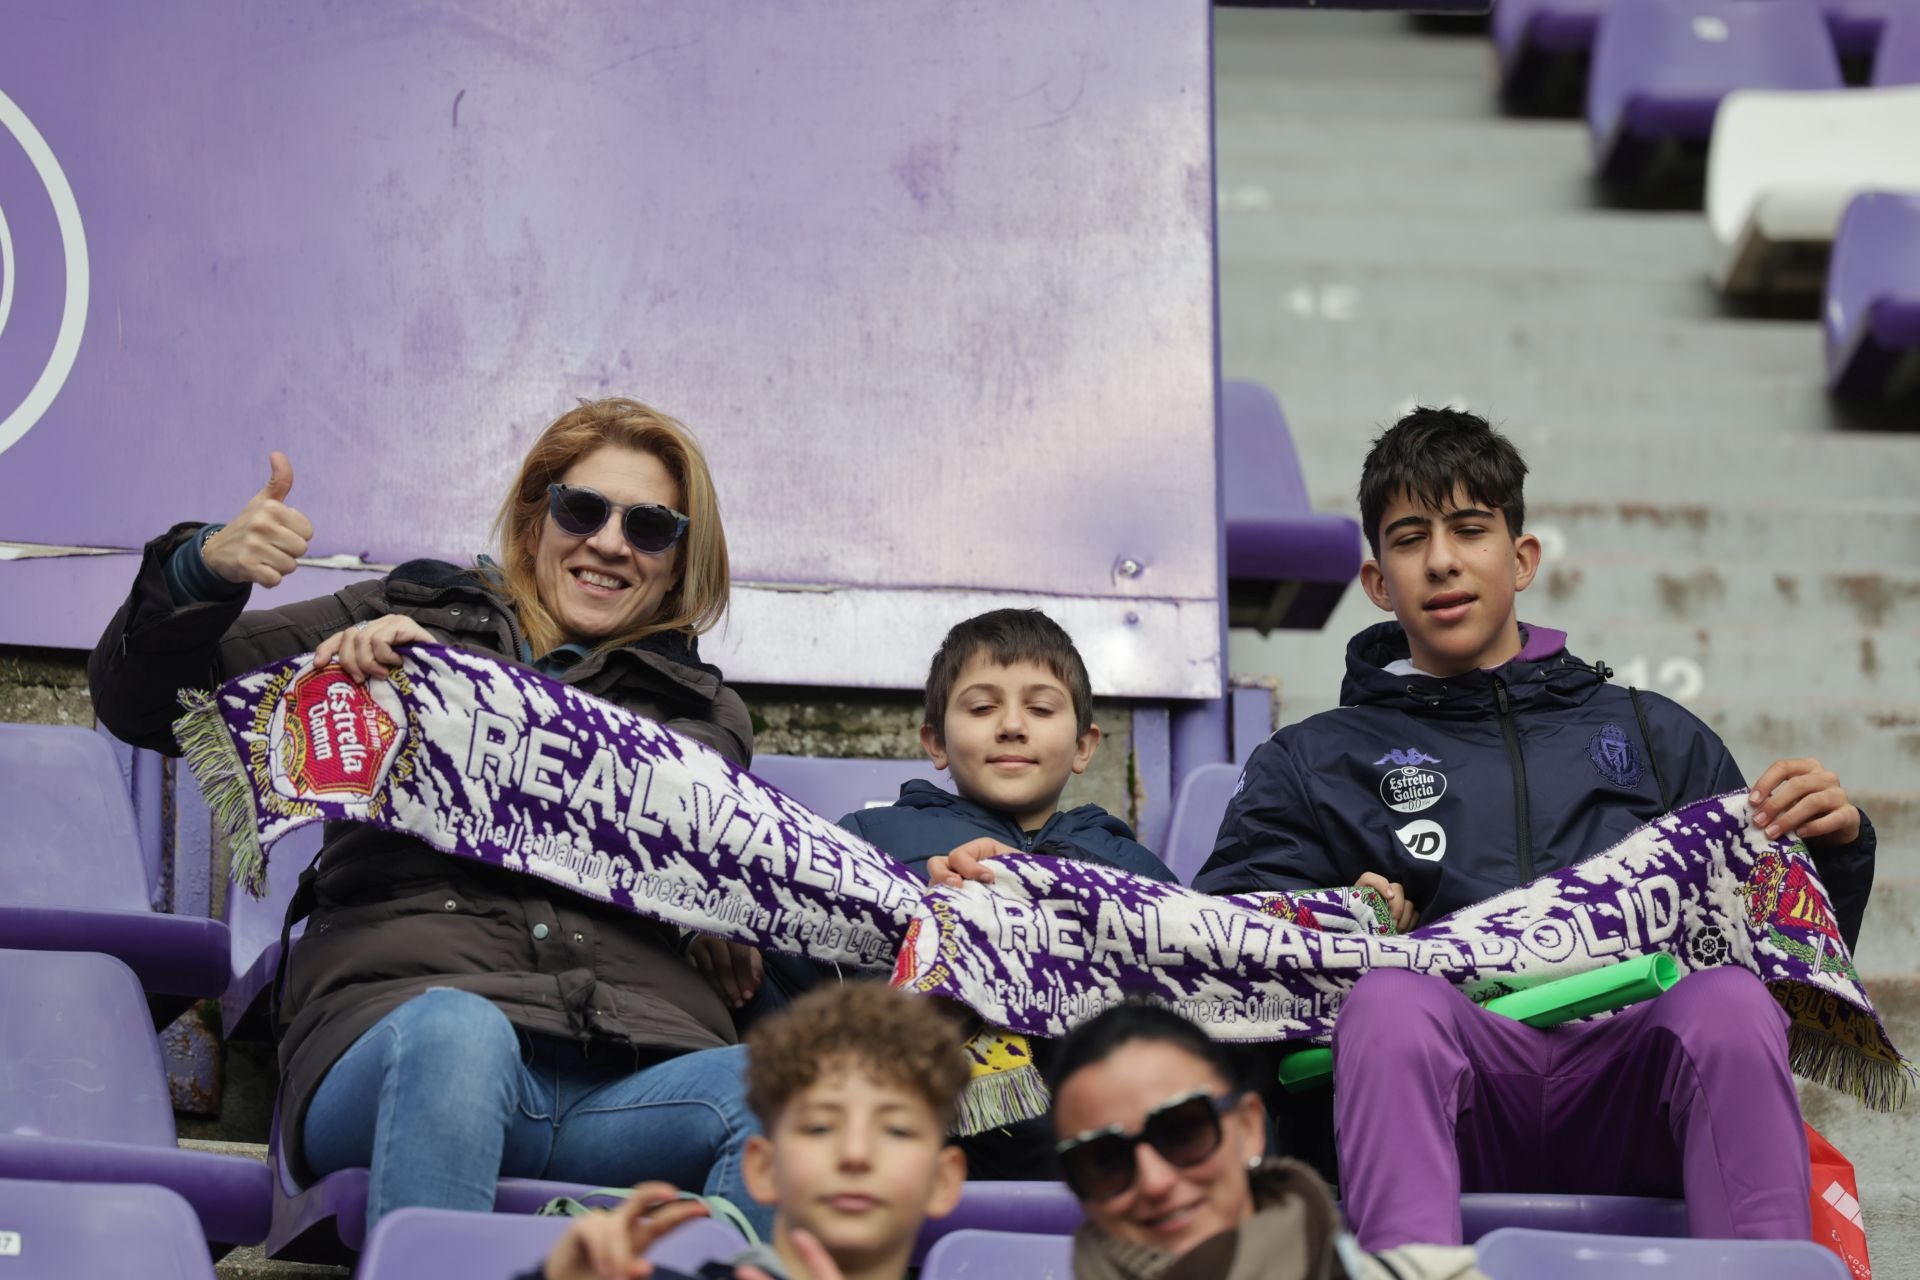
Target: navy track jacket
1462, 788
927, 822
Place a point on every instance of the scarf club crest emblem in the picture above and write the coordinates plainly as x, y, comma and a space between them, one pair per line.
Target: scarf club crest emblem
333, 738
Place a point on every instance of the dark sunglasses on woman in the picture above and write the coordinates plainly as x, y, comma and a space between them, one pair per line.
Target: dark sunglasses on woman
582, 512
1100, 1164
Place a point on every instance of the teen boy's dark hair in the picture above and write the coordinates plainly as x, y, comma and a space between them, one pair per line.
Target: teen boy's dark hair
1431, 452
1009, 636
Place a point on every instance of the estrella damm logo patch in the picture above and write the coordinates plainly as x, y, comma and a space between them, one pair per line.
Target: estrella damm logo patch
331, 738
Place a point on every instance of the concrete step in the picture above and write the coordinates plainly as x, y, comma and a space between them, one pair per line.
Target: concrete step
1884, 1148
1852, 538
1890, 935
1746, 591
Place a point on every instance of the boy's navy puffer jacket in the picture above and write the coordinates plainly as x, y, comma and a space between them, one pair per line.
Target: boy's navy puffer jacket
926, 822
1462, 788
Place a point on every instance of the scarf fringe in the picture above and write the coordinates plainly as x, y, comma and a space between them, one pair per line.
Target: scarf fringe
1001, 1098
1875, 1082
216, 764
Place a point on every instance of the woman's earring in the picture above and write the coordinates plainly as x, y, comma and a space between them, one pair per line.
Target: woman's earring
1254, 1163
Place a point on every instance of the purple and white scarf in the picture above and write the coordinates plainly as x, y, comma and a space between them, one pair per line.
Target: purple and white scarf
486, 760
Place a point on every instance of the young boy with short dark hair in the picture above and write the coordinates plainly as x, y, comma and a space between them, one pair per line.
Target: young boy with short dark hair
855, 1086
1009, 715
1472, 753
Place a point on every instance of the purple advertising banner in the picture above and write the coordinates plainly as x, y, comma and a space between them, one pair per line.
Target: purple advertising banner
932, 281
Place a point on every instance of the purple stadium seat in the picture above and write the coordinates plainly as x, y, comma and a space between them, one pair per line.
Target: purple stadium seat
1482, 1213
999, 1255
1543, 46
63, 1231
1015, 1208
254, 926
327, 1222
1897, 61
834, 788
84, 1094
1517, 1254
1287, 565
1197, 809
1660, 68
71, 873
1856, 25
440, 1244
1873, 297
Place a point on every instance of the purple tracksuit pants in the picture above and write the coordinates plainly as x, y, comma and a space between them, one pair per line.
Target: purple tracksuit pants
1688, 1094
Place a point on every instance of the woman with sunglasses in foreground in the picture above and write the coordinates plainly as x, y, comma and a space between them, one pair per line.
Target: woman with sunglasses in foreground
446, 1022
1166, 1154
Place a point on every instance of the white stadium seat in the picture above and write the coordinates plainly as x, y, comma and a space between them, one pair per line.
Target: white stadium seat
1782, 167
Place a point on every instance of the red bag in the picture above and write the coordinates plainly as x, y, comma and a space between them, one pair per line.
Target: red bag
1836, 1206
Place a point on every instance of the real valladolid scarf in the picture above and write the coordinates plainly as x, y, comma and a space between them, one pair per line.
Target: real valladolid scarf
485, 760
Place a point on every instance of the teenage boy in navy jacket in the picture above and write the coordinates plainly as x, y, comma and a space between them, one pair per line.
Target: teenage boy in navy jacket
1472, 753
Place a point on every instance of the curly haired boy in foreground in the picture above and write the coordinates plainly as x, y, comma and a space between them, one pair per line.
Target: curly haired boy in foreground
855, 1087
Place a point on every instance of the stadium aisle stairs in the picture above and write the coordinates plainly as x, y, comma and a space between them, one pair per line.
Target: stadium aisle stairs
1715, 529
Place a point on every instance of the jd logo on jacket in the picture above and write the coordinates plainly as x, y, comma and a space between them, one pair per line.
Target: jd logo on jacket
1424, 839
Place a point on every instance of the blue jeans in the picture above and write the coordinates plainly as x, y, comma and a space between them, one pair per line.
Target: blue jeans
440, 1100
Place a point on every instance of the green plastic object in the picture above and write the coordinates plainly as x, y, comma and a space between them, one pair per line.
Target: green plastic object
1551, 1003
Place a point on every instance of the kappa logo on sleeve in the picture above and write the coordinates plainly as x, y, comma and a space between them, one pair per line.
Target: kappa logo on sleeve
1424, 839
1411, 786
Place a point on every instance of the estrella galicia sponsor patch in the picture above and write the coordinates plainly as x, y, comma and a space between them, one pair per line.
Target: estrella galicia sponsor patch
1613, 755
1412, 787
1424, 839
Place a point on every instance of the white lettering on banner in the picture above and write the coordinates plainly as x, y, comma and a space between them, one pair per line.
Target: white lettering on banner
1551, 940
1493, 951
1662, 917
538, 764
1014, 920
1628, 917
639, 818
491, 749
598, 786
346, 729
1155, 952
1062, 929
1344, 951
1229, 939
1110, 933
819, 872
1589, 938
711, 816
317, 732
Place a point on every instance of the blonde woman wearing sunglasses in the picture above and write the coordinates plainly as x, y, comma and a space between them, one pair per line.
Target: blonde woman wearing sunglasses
1166, 1153
445, 1022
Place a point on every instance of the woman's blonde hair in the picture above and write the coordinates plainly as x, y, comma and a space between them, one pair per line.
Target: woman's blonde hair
697, 599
